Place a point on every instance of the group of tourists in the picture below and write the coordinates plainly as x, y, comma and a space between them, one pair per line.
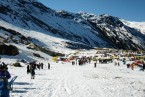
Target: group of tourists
117, 62
32, 66
83, 60
133, 65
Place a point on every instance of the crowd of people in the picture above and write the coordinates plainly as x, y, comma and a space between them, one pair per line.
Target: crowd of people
32, 66
5, 75
117, 62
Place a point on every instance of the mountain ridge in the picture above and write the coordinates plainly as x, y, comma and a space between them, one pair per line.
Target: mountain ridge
73, 30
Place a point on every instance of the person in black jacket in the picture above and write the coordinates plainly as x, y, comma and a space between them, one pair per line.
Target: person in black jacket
28, 69
32, 71
95, 64
48, 65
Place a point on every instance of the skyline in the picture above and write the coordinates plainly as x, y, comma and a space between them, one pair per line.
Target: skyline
131, 10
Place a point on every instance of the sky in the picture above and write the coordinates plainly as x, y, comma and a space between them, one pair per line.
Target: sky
131, 10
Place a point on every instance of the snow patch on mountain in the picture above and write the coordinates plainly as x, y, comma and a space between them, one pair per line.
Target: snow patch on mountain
140, 26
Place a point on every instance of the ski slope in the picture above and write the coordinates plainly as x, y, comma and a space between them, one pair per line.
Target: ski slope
66, 80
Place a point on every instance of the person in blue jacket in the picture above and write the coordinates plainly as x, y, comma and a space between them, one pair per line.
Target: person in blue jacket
4, 74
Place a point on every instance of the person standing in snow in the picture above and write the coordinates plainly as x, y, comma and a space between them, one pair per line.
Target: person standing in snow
118, 63
115, 62
38, 66
48, 65
32, 71
124, 61
132, 66
73, 63
128, 65
143, 67
5, 75
41, 65
95, 64
28, 69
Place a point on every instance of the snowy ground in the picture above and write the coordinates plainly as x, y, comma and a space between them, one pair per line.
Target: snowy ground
66, 80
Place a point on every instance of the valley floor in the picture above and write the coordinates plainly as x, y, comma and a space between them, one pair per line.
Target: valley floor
66, 80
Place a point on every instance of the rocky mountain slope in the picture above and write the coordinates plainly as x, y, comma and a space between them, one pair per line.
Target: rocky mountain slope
28, 21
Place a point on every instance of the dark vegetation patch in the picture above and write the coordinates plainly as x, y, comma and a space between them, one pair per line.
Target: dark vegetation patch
8, 50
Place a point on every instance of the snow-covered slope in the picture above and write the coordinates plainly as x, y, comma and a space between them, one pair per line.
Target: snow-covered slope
140, 26
56, 30
34, 16
66, 80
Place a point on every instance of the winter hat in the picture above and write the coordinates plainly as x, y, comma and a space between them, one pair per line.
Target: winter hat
2, 67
